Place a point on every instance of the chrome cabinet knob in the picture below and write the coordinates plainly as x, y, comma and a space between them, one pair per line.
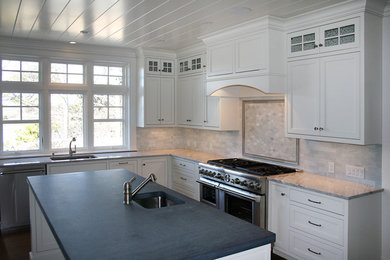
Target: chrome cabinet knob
315, 128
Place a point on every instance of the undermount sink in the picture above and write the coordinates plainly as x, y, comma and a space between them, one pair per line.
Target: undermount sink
158, 199
74, 156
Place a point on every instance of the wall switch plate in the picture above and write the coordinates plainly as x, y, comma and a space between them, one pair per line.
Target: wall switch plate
354, 171
330, 167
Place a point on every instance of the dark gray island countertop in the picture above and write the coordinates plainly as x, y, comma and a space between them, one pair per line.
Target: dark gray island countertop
89, 221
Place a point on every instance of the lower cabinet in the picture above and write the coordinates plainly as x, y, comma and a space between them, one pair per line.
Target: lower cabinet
312, 225
156, 165
77, 166
129, 164
184, 176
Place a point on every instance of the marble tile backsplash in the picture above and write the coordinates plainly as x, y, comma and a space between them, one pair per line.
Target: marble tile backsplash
313, 156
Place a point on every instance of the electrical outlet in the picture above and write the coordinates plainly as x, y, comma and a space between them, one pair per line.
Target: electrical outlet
330, 167
354, 171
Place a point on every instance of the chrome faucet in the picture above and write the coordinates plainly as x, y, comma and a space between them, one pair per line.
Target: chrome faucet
127, 188
71, 151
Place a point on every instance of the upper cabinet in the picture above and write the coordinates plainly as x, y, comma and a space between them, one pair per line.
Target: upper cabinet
190, 65
251, 55
333, 84
331, 37
162, 67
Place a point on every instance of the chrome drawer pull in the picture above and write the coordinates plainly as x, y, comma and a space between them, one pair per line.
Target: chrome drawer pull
313, 201
283, 194
314, 252
123, 163
314, 224
184, 179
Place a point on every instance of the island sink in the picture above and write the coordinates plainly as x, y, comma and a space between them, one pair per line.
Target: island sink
157, 199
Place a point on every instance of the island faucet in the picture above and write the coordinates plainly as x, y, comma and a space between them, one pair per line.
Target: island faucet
127, 188
71, 151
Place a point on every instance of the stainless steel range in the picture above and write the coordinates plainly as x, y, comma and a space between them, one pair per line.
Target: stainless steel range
238, 187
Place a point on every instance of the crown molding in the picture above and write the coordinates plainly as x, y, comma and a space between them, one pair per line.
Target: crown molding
386, 12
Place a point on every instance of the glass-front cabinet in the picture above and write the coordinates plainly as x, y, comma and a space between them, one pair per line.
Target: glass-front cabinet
191, 65
331, 37
159, 66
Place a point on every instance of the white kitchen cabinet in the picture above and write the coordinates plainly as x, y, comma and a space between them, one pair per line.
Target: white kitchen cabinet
155, 66
312, 225
222, 113
129, 164
159, 106
156, 165
190, 101
336, 36
184, 176
220, 59
278, 215
190, 65
66, 167
251, 53
324, 97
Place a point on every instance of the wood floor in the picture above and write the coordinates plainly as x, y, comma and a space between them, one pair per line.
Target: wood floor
17, 245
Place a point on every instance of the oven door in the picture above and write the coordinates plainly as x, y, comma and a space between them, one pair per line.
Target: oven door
209, 192
244, 205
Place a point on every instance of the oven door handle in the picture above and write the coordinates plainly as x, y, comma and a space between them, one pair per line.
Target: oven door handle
207, 182
243, 194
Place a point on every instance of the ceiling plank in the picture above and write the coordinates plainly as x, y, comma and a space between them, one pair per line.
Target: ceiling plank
28, 14
8, 14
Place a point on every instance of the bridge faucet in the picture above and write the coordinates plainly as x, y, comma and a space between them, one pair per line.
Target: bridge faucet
127, 188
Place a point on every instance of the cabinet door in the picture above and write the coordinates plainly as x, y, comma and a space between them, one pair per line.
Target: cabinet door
220, 59
158, 166
152, 101
278, 214
184, 101
130, 165
152, 66
340, 92
341, 35
167, 67
167, 104
183, 66
197, 89
212, 113
196, 64
251, 54
303, 42
303, 97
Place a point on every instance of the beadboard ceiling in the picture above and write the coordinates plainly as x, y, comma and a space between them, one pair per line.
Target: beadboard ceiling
166, 24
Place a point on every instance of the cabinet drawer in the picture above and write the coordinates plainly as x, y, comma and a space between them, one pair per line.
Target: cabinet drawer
183, 179
318, 201
184, 164
320, 225
185, 190
304, 247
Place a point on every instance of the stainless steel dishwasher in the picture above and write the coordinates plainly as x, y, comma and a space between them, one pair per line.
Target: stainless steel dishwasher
14, 200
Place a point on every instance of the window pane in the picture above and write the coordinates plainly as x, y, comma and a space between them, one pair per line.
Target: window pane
75, 68
10, 65
100, 113
30, 66
100, 100
66, 119
30, 113
21, 137
75, 79
115, 81
30, 76
30, 99
116, 71
58, 78
115, 100
58, 67
115, 113
11, 113
10, 76
100, 70
100, 80
11, 99
108, 134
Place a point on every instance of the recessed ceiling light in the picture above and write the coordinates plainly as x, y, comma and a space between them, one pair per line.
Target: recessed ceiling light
240, 10
84, 32
72, 42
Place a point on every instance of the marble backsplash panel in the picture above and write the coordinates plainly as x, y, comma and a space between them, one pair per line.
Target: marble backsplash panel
159, 138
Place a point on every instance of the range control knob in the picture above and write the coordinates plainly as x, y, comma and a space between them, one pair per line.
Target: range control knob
251, 185
227, 177
257, 186
236, 181
219, 176
212, 174
243, 183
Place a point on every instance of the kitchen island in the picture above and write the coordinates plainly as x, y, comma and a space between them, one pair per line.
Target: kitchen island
84, 213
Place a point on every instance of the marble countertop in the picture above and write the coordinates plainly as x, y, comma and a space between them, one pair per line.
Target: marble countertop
326, 185
86, 214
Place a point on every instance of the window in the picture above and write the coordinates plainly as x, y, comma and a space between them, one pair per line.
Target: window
20, 121
107, 75
66, 116
66, 73
19, 71
108, 120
